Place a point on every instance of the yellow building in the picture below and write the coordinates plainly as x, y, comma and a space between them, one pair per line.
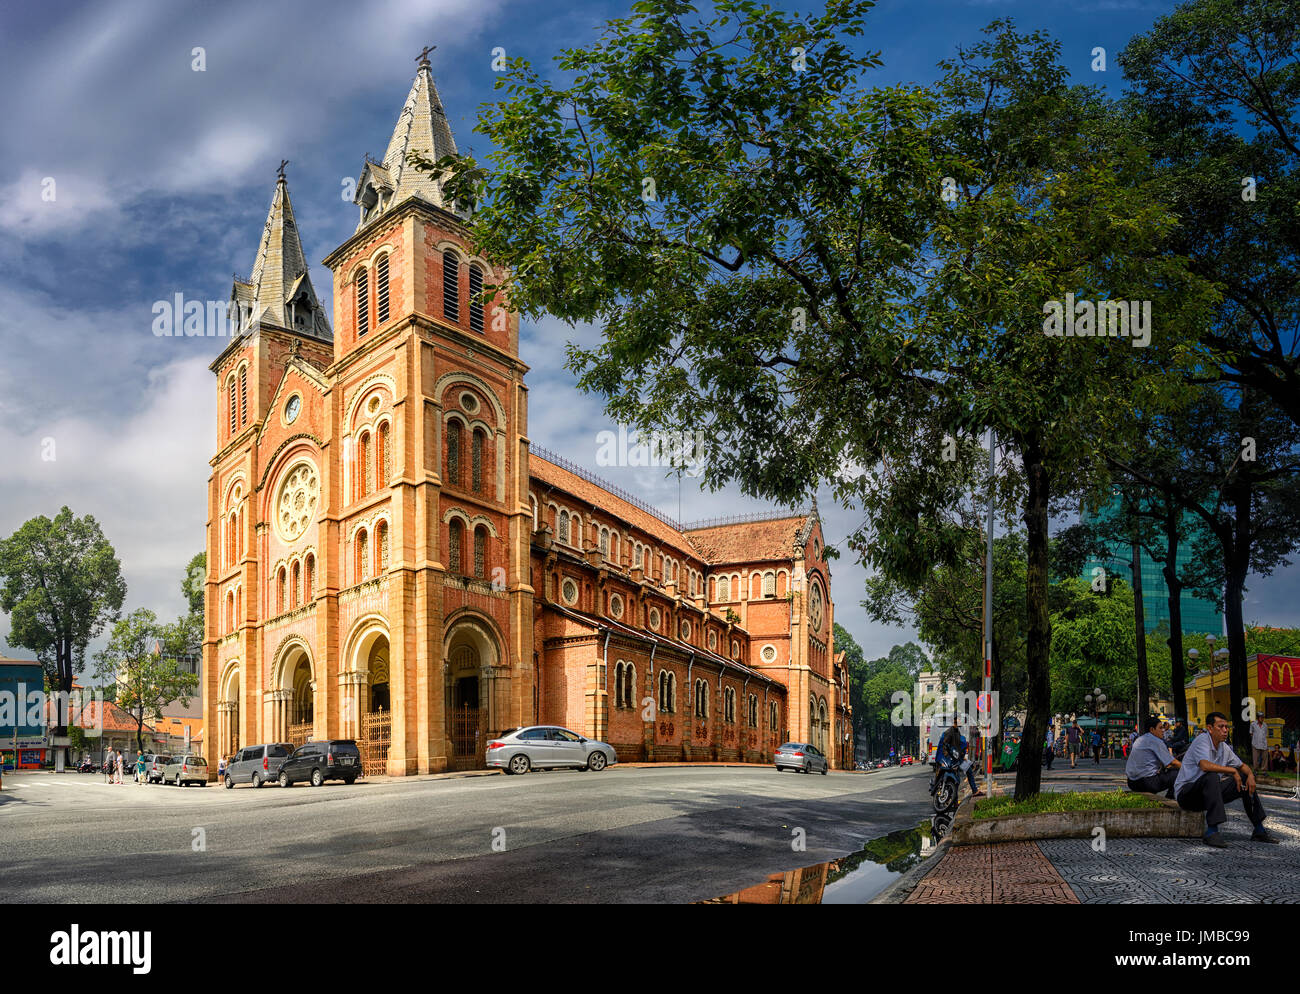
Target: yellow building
1278, 699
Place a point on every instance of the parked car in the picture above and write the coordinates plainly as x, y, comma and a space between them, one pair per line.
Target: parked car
258, 764
547, 747
186, 768
801, 756
316, 762
154, 764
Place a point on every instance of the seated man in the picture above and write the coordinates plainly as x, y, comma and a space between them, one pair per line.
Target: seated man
1151, 766
1211, 777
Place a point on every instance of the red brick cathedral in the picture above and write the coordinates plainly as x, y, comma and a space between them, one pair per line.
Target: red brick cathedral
388, 561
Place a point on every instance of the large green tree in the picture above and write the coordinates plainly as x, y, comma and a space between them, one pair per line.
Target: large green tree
827, 277
61, 583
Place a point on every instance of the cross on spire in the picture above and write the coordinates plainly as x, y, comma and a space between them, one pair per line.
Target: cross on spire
423, 57
283, 163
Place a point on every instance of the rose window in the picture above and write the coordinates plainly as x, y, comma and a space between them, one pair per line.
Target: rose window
297, 504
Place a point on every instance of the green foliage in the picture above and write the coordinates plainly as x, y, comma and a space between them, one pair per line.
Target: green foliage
60, 582
192, 584
147, 681
1093, 645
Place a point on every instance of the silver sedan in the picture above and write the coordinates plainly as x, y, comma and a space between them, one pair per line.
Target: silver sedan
545, 746
801, 756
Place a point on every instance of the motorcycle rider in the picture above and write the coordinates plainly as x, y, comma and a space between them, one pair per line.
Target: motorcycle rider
952, 751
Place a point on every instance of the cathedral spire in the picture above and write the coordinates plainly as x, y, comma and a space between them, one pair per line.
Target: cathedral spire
279, 289
421, 127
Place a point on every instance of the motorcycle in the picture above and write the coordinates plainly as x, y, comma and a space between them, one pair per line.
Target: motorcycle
945, 786
87, 766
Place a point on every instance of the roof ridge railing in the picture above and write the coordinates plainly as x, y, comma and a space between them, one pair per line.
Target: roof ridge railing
740, 519
590, 477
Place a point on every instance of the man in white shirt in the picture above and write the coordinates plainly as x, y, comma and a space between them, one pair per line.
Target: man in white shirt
1259, 743
1211, 776
1151, 766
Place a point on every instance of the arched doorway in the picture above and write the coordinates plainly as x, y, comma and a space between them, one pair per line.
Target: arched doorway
470, 655
375, 703
228, 714
302, 705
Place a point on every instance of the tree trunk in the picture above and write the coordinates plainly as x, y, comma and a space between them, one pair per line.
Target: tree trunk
1139, 616
1039, 643
1177, 674
1237, 566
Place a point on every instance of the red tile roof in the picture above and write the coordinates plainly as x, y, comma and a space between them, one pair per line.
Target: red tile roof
749, 541
115, 718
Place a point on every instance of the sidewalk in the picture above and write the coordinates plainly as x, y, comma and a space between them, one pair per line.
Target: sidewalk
1126, 871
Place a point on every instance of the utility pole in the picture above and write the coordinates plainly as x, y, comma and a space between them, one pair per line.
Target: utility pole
988, 627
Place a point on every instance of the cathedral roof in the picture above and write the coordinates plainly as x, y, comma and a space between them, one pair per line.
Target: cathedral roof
421, 127
750, 541
280, 287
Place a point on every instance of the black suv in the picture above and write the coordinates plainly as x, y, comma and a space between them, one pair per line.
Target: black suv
316, 762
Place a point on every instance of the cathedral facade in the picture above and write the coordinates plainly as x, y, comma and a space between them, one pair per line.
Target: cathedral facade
389, 559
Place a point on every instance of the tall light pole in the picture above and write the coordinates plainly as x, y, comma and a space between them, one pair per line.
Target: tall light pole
988, 627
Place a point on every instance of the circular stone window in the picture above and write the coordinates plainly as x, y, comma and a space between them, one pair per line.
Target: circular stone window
735, 649
296, 506
815, 609
713, 641
654, 618
373, 404
616, 605
769, 654
569, 591
292, 409
469, 402
686, 631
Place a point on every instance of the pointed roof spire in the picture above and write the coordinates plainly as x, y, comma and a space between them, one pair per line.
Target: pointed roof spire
280, 287
421, 127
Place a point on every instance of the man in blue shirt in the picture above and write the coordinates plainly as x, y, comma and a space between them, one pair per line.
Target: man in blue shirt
1211, 776
1151, 766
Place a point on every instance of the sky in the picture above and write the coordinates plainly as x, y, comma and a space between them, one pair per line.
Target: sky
161, 179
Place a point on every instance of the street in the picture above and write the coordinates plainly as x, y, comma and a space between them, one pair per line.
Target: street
669, 835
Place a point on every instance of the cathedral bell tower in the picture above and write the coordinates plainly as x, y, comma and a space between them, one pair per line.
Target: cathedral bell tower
429, 430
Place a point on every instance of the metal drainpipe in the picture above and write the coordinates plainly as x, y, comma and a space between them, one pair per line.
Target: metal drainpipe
744, 692
603, 730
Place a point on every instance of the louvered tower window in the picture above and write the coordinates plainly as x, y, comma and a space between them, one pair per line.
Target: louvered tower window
243, 396
234, 411
480, 552
363, 303
455, 533
385, 455
381, 290
453, 453
451, 286
478, 461
363, 556
381, 539
475, 304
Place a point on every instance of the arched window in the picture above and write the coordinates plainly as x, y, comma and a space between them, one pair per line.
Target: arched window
773, 717
365, 479
564, 527
724, 589
475, 304
280, 583
381, 545
363, 303
453, 452
729, 705
232, 539
297, 584
769, 584
478, 460
311, 578
751, 711
243, 396
451, 285
667, 691
234, 410
381, 290
636, 559
480, 552
455, 537
239, 533
812, 720
702, 699
230, 611
604, 541
363, 555
629, 685
239, 606
385, 454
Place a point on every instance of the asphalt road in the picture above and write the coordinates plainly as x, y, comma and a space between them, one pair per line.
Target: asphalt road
667, 835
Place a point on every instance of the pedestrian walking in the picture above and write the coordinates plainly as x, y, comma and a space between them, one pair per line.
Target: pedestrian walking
1096, 747
221, 770
1050, 745
118, 764
1259, 743
1073, 737
139, 767
1211, 777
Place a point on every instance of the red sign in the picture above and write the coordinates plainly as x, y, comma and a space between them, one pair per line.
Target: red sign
1280, 674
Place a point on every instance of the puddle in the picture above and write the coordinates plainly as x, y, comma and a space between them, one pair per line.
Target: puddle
852, 879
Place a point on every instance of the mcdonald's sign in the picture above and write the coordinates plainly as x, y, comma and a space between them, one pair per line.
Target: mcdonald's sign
1280, 674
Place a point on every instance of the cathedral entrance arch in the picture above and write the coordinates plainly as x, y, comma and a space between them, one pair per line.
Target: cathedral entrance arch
470, 655
296, 720
228, 711
367, 696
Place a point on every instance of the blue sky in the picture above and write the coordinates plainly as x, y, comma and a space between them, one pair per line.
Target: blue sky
163, 176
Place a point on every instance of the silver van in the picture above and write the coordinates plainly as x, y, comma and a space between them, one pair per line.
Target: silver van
188, 767
258, 764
